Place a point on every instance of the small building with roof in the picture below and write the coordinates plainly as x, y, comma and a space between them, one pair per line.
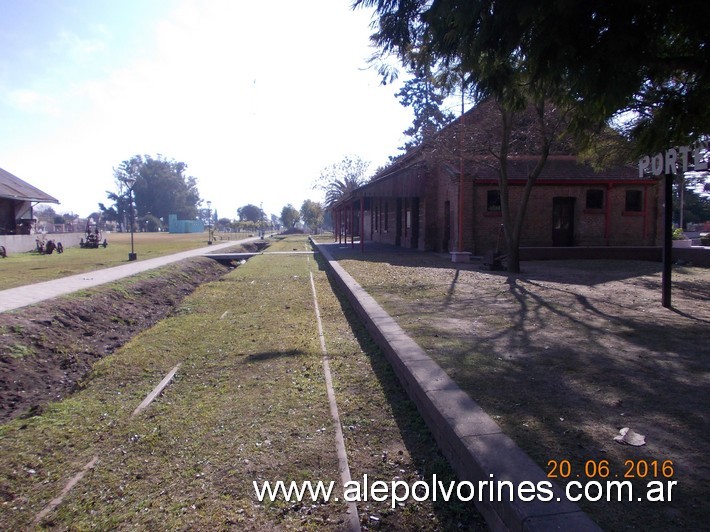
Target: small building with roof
17, 198
444, 196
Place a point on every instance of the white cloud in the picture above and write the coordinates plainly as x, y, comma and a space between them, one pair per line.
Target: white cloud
77, 48
34, 102
255, 97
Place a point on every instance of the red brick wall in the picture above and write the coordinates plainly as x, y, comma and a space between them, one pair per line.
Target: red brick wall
443, 187
609, 226
624, 228
384, 220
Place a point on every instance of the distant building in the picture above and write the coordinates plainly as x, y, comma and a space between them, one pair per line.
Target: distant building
423, 198
17, 198
184, 226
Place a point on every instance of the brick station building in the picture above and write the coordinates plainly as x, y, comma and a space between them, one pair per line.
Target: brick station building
449, 187
17, 199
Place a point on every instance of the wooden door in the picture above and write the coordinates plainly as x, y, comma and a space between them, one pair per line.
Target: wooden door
563, 221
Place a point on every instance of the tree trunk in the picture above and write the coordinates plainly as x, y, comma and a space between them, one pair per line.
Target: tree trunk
512, 235
513, 230
514, 259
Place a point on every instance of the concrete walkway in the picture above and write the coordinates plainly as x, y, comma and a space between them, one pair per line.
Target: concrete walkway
22, 296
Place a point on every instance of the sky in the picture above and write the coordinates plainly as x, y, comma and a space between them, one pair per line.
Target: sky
257, 98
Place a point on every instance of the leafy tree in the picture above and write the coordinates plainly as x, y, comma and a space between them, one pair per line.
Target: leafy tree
587, 62
45, 213
149, 223
69, 218
425, 97
246, 226
312, 214
498, 135
223, 224
601, 59
341, 178
119, 211
696, 202
250, 213
208, 216
290, 216
97, 218
515, 116
160, 188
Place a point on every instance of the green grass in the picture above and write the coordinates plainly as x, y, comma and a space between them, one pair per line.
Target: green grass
20, 350
248, 404
25, 268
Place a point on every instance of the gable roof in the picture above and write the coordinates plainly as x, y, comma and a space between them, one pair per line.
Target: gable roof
562, 163
407, 172
14, 188
557, 167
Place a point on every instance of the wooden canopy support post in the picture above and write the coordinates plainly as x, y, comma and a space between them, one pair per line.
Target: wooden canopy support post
362, 225
352, 226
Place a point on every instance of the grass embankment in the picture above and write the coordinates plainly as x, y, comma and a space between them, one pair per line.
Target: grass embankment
563, 356
25, 268
248, 404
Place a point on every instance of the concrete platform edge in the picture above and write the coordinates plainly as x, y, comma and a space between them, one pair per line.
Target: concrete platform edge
470, 440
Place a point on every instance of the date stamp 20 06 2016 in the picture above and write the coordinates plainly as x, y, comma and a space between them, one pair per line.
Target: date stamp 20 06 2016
597, 479
643, 469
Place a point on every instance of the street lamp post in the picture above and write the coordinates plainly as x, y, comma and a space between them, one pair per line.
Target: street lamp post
209, 223
130, 181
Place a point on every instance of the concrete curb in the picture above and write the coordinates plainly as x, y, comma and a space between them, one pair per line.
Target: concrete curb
472, 441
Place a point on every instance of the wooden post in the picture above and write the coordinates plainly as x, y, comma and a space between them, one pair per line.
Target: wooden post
362, 225
352, 226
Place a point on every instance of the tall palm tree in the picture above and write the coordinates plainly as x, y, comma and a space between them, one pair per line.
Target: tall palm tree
340, 179
340, 188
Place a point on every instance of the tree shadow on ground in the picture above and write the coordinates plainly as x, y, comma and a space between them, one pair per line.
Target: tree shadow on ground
540, 270
567, 371
271, 355
562, 366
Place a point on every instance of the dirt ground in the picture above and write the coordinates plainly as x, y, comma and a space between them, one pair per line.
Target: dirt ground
46, 349
565, 355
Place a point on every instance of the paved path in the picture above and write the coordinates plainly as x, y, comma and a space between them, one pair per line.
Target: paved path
22, 296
